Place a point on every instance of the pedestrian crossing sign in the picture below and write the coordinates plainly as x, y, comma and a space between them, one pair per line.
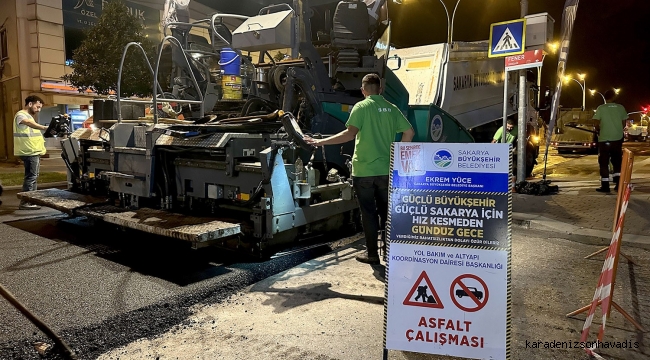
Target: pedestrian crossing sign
507, 38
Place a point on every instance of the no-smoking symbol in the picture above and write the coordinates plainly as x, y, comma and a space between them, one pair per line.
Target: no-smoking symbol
463, 288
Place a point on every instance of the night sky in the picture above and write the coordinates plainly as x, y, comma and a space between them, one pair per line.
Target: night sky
610, 41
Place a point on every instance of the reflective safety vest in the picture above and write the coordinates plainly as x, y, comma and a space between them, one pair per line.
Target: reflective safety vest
27, 141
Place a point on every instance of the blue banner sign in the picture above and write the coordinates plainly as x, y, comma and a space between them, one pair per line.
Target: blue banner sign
451, 167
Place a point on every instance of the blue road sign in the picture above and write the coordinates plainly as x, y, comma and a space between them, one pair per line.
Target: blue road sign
507, 38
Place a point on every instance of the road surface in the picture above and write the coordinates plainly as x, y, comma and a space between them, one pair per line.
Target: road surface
101, 288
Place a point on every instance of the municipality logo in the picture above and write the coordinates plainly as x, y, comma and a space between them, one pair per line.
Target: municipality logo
436, 128
442, 158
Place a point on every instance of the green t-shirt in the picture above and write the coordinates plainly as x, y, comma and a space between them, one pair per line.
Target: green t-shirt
611, 118
510, 135
378, 122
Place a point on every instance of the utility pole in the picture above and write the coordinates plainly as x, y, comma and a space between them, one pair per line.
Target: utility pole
521, 123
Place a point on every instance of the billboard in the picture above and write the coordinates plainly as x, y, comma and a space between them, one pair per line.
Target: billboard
83, 14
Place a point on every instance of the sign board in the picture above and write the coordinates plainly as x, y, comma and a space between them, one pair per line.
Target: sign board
507, 38
529, 59
461, 311
449, 249
83, 14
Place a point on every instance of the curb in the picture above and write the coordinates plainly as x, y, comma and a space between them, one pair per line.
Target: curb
40, 186
539, 222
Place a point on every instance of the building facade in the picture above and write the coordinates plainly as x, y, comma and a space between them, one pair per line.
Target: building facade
37, 38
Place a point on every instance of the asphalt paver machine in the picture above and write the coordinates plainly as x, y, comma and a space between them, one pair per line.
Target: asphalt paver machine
236, 173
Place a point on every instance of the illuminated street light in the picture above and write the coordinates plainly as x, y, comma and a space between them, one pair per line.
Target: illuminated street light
553, 46
582, 86
594, 92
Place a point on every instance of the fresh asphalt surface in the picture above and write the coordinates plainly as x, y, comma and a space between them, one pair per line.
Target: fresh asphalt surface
101, 288
105, 293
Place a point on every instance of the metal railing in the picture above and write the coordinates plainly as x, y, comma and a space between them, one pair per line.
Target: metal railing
156, 85
214, 36
174, 41
211, 25
119, 76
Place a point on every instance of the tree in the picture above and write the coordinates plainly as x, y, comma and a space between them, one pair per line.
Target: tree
96, 61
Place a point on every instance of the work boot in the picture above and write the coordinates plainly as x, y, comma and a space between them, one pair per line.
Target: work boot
28, 206
616, 180
368, 259
604, 187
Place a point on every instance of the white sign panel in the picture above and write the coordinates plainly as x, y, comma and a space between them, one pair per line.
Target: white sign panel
449, 246
447, 300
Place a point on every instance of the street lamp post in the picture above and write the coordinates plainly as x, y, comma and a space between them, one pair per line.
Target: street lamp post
584, 89
453, 16
450, 23
582, 86
594, 92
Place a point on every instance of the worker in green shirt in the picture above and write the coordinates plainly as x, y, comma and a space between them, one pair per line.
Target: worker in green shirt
511, 133
373, 124
611, 118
